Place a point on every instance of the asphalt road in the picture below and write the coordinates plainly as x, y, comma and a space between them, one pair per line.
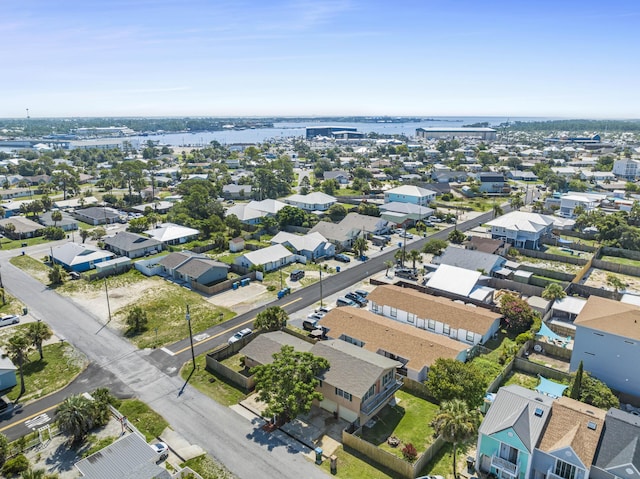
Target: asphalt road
152, 375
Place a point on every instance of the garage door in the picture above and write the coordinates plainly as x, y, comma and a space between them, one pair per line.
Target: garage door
329, 405
347, 415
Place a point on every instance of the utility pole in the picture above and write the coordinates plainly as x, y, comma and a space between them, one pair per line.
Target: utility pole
319, 267
193, 355
106, 290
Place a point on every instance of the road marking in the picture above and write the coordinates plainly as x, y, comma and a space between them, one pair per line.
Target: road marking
248, 321
37, 421
9, 426
168, 351
291, 302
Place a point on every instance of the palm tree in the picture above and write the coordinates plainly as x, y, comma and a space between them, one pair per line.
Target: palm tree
37, 333
516, 201
400, 256
360, 245
273, 318
415, 255
497, 210
388, 264
56, 216
84, 234
457, 424
553, 291
74, 417
33, 474
17, 349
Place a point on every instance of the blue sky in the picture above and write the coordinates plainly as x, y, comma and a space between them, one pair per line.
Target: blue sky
303, 57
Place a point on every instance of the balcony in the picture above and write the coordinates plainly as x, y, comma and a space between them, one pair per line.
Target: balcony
381, 398
505, 466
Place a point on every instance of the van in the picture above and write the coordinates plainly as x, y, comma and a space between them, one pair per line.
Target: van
345, 302
296, 275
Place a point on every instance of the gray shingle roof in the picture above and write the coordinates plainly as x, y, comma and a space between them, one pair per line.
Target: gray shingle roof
515, 407
264, 346
196, 267
131, 241
620, 443
470, 259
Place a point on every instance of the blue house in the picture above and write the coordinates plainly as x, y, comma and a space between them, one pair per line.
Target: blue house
79, 257
511, 431
410, 194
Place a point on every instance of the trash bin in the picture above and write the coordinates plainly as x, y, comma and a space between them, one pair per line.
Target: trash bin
470, 463
337, 269
334, 464
318, 451
25, 310
235, 285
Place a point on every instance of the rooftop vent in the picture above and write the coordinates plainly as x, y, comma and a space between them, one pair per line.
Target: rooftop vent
538, 412
592, 425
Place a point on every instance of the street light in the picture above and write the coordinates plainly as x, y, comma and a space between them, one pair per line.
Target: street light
320, 269
193, 356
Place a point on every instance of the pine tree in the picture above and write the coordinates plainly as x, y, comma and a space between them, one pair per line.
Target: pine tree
576, 389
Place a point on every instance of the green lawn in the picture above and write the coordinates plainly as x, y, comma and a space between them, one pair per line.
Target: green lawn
33, 267
6, 243
353, 465
409, 421
145, 419
125, 279
442, 463
529, 381
208, 468
620, 260
213, 385
60, 365
560, 250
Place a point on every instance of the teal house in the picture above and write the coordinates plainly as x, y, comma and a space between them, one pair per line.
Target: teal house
510, 432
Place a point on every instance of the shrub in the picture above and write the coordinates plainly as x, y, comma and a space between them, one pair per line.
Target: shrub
409, 452
15, 465
524, 337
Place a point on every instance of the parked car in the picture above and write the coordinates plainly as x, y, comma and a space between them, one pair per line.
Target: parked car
9, 319
296, 275
359, 300
324, 309
362, 293
309, 324
406, 273
407, 235
316, 315
160, 447
430, 477
239, 335
435, 219
344, 302
343, 258
74, 275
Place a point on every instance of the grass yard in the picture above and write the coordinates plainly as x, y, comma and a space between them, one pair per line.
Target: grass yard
409, 421
529, 381
620, 260
352, 465
208, 468
218, 388
61, 364
125, 279
33, 267
148, 422
6, 243
561, 251
442, 463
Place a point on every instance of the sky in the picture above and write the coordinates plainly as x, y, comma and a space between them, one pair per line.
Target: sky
560, 58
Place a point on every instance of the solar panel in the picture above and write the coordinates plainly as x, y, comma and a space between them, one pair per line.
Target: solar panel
538, 412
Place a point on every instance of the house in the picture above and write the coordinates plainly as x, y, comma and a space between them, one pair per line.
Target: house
132, 245
370, 225
404, 213
21, 228
254, 211
127, 457
486, 263
7, 374
626, 169
75, 202
460, 283
569, 441
269, 258
79, 257
588, 201
172, 234
340, 234
312, 245
67, 223
192, 267
315, 201
522, 175
607, 341
618, 454
340, 176
510, 432
493, 183
468, 324
9, 193
410, 194
97, 215
233, 191
358, 383
485, 245
521, 229
416, 349
236, 244
160, 207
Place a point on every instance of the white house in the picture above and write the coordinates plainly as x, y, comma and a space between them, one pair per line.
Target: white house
468, 324
269, 258
316, 201
569, 201
521, 229
626, 169
312, 245
172, 234
410, 194
253, 212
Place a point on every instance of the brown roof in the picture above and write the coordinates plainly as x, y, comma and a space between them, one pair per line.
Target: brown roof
426, 306
486, 245
568, 427
610, 316
421, 348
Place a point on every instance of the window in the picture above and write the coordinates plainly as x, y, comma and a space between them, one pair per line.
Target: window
349, 339
470, 336
411, 318
374, 307
431, 324
393, 312
369, 393
343, 394
508, 453
568, 471
446, 329
387, 378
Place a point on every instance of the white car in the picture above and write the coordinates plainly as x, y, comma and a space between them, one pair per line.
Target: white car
9, 319
160, 447
239, 335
